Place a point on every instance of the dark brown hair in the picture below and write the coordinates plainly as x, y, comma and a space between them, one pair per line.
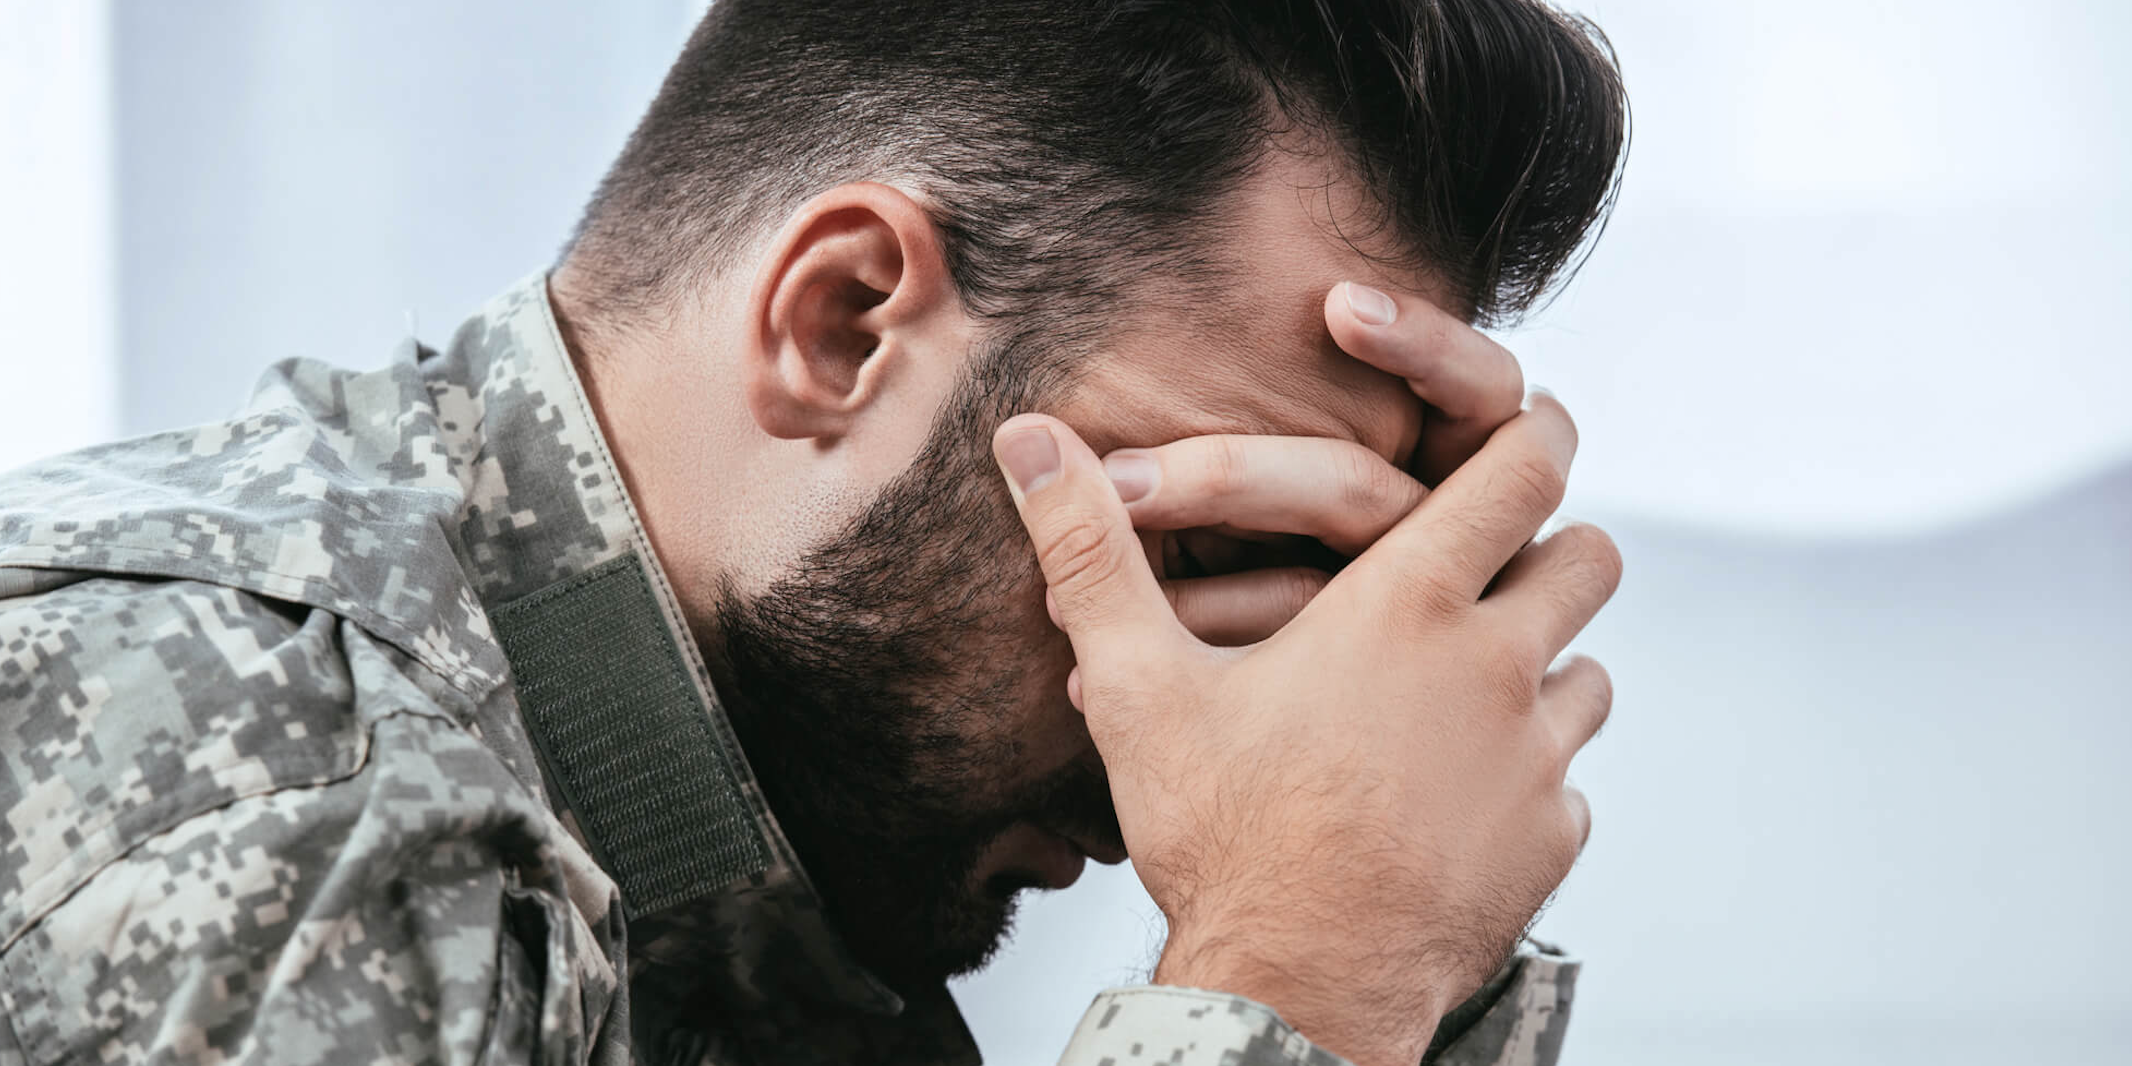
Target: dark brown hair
1066, 144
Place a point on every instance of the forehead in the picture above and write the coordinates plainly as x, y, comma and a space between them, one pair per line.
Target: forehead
1250, 353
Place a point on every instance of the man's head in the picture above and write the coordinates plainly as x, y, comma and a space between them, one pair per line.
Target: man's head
848, 240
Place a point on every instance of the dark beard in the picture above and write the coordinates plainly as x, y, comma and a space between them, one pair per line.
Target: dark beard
874, 693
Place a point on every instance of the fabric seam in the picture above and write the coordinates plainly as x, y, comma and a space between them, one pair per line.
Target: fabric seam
362, 761
467, 679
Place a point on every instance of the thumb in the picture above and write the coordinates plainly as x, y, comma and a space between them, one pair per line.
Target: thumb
1107, 599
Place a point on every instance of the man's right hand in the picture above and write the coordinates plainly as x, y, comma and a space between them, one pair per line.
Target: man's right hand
1352, 820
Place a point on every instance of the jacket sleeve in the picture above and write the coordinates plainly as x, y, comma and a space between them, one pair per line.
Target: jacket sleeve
353, 922
243, 833
1517, 1019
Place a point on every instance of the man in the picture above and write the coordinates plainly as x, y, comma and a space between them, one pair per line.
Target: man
664, 671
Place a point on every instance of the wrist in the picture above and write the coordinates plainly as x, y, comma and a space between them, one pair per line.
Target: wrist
1372, 1015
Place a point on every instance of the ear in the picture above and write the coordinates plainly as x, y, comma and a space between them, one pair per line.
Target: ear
846, 289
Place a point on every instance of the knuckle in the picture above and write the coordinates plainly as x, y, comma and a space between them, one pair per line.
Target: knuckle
1533, 482
1521, 650
1599, 550
1435, 338
1298, 587
1223, 467
1525, 662
1602, 709
1602, 701
1585, 694
1513, 688
1423, 350
1510, 383
1606, 556
1569, 424
1591, 562
1510, 673
1426, 602
1576, 827
1080, 553
1183, 601
1369, 486
1547, 408
1471, 566
1602, 684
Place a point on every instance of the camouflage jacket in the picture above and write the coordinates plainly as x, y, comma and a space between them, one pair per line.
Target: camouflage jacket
363, 727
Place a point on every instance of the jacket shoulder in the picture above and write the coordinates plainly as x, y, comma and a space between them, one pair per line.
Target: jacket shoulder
337, 490
130, 705
244, 830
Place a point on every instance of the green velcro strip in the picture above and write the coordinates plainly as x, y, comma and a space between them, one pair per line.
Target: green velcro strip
610, 704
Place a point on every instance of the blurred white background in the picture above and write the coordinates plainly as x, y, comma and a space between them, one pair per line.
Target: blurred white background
1852, 366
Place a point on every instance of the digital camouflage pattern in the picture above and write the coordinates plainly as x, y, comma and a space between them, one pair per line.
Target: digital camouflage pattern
271, 792
1518, 1019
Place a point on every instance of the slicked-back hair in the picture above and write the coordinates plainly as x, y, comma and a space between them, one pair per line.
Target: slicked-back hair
1070, 147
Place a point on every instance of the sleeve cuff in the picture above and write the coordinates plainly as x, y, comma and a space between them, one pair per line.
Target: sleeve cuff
1187, 1027
1519, 1018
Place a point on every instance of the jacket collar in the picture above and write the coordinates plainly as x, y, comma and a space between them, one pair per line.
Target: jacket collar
637, 754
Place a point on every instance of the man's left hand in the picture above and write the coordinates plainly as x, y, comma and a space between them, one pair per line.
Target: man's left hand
1336, 492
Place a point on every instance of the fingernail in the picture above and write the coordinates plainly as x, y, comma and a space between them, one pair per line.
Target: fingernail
1133, 475
1370, 306
1031, 457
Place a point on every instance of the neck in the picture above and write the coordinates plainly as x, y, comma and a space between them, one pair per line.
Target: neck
726, 503
678, 443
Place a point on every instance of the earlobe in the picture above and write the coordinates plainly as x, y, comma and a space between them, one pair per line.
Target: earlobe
848, 287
